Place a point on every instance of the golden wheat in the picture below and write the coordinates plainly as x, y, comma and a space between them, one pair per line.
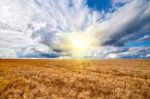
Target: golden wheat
75, 79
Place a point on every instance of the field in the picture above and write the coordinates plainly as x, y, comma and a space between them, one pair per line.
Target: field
74, 79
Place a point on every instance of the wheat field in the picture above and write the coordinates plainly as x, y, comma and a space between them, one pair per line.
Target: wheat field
74, 79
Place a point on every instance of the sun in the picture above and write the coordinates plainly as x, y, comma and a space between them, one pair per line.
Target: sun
79, 44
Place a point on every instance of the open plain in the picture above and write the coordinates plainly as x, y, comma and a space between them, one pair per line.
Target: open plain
74, 79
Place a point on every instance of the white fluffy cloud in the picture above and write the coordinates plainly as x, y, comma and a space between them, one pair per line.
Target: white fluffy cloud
33, 28
111, 52
136, 52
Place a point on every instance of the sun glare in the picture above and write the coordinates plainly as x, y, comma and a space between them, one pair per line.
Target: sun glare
78, 44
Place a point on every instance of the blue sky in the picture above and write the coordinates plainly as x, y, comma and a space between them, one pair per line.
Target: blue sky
99, 4
62, 28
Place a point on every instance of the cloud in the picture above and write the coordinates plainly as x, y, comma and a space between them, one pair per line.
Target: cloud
120, 1
126, 23
111, 52
35, 28
34, 53
144, 38
104, 52
136, 52
12, 41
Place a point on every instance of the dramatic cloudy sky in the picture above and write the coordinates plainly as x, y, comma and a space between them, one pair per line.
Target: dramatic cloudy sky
43, 28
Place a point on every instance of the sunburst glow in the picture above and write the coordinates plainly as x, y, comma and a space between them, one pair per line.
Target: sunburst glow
79, 44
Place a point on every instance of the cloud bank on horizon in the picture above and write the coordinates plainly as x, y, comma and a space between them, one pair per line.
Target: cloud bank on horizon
40, 29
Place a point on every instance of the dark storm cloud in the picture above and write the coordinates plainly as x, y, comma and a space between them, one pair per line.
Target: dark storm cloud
34, 53
134, 21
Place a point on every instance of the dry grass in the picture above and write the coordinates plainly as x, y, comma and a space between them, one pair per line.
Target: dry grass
75, 79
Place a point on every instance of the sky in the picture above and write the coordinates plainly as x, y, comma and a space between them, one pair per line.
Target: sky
103, 29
